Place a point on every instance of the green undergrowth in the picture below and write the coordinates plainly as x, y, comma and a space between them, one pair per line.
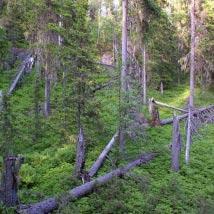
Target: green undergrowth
151, 188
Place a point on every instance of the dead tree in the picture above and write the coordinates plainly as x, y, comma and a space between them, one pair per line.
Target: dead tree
80, 154
9, 184
176, 145
98, 163
25, 67
153, 110
48, 205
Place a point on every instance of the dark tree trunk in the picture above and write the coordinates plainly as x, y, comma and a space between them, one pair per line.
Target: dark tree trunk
50, 204
9, 184
80, 154
153, 109
176, 145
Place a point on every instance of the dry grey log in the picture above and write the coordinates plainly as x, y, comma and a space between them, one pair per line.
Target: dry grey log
176, 145
168, 106
98, 163
184, 116
25, 67
50, 204
80, 154
9, 184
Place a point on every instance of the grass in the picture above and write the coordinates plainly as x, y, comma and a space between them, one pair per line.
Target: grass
152, 188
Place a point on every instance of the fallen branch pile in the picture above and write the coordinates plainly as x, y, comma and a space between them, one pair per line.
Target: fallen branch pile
207, 113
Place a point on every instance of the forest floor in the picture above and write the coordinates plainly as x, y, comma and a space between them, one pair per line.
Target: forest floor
152, 188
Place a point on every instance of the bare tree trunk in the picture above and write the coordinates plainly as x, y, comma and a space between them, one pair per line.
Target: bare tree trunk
144, 75
176, 145
123, 72
192, 76
98, 163
189, 137
9, 184
47, 104
192, 53
48, 205
80, 154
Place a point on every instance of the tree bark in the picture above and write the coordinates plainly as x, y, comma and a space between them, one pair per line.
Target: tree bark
50, 204
176, 145
9, 184
80, 154
98, 163
123, 72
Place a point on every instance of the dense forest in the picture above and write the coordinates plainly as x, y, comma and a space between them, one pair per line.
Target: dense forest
106, 106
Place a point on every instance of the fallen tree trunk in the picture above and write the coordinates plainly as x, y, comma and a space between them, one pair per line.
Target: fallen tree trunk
98, 163
168, 106
184, 116
50, 204
25, 67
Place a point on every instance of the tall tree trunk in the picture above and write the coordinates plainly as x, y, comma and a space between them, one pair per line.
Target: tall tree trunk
192, 77
123, 73
192, 53
144, 75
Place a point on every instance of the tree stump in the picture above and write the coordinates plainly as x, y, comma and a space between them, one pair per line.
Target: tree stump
176, 145
9, 184
153, 110
80, 154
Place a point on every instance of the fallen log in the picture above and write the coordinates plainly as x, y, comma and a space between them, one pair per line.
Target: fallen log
184, 116
98, 163
25, 67
50, 204
167, 106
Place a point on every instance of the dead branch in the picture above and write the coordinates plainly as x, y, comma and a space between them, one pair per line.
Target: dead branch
98, 163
